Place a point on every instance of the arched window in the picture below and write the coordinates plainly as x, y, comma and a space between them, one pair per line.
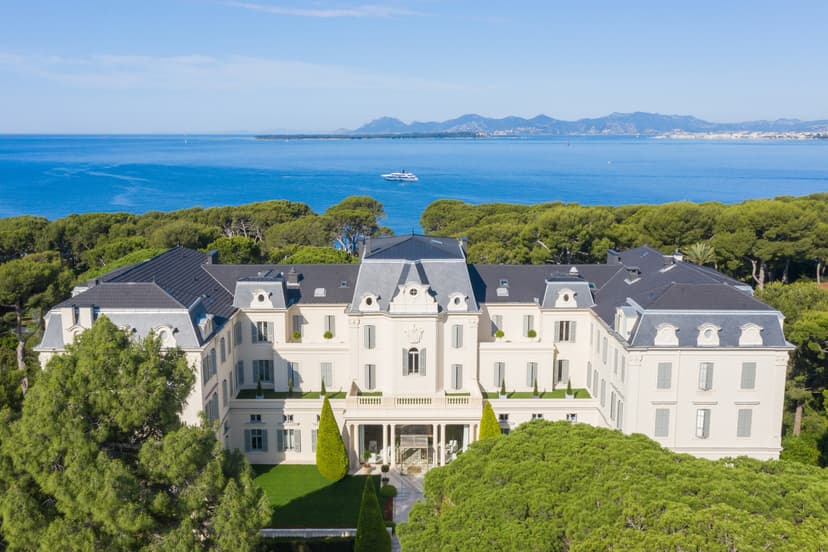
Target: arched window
223, 348
413, 361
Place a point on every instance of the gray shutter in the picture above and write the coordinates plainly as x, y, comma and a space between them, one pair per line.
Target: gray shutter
240, 373
314, 433
564, 371
495, 378
254, 335
246, 440
422, 362
269, 368
710, 376
297, 440
664, 375
280, 440
529, 381
459, 336
525, 325
748, 375
662, 422
459, 376
706, 430
572, 331
270, 332
557, 336
404, 362
744, 422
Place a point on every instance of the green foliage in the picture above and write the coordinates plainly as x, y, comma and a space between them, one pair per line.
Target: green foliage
371, 533
499, 333
388, 491
328, 335
181, 232
503, 387
128, 259
98, 458
560, 486
331, 456
354, 218
20, 236
312, 254
568, 387
236, 250
701, 253
488, 423
531, 333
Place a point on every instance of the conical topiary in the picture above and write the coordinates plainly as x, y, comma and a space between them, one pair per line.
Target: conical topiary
331, 456
488, 423
371, 533
323, 392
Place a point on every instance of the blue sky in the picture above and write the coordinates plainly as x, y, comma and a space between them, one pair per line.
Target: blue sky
189, 66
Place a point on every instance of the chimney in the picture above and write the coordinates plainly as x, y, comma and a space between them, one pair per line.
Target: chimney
292, 277
212, 257
613, 257
633, 273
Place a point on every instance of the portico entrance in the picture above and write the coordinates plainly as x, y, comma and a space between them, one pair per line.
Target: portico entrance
415, 447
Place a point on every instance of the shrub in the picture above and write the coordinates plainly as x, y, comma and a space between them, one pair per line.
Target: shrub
331, 456
259, 391
297, 335
371, 534
388, 491
385, 468
568, 387
323, 392
531, 333
535, 388
327, 335
503, 387
499, 333
488, 422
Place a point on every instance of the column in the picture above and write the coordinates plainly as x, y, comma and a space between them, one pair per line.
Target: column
443, 444
434, 444
354, 451
392, 447
384, 443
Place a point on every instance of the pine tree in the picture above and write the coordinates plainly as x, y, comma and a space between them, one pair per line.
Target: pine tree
372, 536
331, 456
488, 423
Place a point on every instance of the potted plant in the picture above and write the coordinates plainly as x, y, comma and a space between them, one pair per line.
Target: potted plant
532, 334
388, 492
569, 393
297, 335
366, 456
499, 334
327, 335
503, 389
535, 389
384, 468
259, 392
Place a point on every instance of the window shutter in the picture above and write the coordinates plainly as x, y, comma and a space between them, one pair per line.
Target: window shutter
662, 422
368, 376
564, 371
665, 376
743, 424
748, 375
496, 377
422, 362
572, 331
246, 440
270, 332
459, 336
297, 440
589, 375
557, 336
526, 324
530, 374
314, 433
280, 440
269, 368
240, 373
404, 362
254, 336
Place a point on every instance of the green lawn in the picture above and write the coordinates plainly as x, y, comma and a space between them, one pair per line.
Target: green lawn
302, 498
271, 394
556, 394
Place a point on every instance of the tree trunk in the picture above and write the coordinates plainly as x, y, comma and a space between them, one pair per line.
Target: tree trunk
759, 277
18, 311
797, 419
819, 269
785, 272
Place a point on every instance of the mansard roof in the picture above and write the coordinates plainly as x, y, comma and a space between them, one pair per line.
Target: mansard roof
126, 295
413, 248
527, 283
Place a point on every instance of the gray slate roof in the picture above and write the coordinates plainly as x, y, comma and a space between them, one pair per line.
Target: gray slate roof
413, 248
124, 295
328, 276
528, 282
687, 333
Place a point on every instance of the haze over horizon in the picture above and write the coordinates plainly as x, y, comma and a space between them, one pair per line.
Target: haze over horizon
189, 66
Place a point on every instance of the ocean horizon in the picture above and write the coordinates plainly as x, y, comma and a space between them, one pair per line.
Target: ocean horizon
57, 175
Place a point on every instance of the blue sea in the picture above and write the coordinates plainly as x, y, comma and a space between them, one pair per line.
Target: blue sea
54, 176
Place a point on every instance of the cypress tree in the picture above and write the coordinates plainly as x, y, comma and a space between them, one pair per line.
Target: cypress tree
371, 533
331, 456
488, 422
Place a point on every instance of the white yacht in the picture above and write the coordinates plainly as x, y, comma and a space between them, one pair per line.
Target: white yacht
402, 176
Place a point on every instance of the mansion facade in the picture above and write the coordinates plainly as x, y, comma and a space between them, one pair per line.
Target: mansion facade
410, 342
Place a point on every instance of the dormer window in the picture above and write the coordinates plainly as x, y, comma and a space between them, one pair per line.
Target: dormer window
504, 282
343, 283
261, 298
369, 301
412, 291
319, 292
457, 302
708, 335
666, 336
566, 299
751, 335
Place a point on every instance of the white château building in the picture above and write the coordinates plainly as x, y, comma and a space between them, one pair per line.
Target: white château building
412, 340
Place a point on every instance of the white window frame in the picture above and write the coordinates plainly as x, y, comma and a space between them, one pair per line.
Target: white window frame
703, 423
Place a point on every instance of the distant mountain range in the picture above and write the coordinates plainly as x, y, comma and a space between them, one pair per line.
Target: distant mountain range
648, 124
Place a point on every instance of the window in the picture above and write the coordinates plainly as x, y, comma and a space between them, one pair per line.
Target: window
603, 393
370, 376
595, 383
213, 362
326, 369
706, 376
261, 332
561, 371
263, 371
224, 392
456, 376
743, 422
330, 324
531, 374
703, 423
503, 418
370, 335
597, 340
239, 374
615, 361
572, 417
662, 422
499, 373
457, 336
229, 343
293, 373
528, 325
287, 418
205, 370
665, 375
748, 375
212, 408
623, 368
413, 363
289, 439
255, 418
604, 351
565, 330
589, 375
591, 335
619, 415
223, 349
612, 405
298, 323
255, 439
314, 433
232, 381
538, 416
237, 333
497, 323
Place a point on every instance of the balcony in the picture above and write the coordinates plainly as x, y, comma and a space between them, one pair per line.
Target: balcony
556, 394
